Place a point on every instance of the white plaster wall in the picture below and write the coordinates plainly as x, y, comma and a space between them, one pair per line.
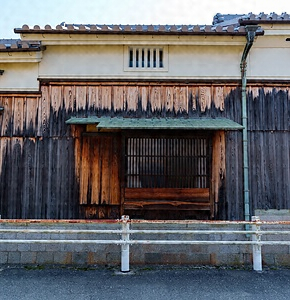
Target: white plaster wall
205, 62
200, 62
270, 58
19, 77
81, 61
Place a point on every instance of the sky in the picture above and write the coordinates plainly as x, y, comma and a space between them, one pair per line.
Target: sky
15, 13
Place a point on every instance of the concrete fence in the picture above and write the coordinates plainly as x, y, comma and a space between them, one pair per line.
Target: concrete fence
77, 242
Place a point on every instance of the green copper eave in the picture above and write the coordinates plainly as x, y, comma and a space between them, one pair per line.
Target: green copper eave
158, 123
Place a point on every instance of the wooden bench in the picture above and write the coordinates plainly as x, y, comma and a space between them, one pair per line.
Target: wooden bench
167, 199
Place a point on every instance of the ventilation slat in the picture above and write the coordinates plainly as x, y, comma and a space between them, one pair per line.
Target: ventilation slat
146, 58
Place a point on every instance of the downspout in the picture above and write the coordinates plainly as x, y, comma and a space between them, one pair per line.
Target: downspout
251, 33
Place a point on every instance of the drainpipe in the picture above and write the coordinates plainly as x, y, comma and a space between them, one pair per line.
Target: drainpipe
251, 33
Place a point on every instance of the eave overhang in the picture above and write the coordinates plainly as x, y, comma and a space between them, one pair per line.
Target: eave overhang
157, 123
20, 56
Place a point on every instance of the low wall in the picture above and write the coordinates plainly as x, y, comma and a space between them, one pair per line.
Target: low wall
102, 254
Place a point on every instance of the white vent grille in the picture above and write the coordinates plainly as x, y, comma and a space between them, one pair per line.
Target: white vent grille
142, 58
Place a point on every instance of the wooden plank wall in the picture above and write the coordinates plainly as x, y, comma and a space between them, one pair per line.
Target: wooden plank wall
269, 143
40, 162
100, 176
37, 178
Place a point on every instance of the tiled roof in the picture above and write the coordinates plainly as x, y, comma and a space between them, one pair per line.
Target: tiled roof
231, 29
13, 45
262, 18
231, 24
229, 18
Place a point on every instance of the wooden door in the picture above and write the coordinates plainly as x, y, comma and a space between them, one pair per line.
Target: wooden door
100, 174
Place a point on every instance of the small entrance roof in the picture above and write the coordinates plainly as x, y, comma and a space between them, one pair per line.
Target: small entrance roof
156, 123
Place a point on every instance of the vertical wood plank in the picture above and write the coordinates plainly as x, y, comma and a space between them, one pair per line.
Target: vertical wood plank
68, 97
132, 98
30, 116
77, 132
18, 107
169, 98
84, 172
144, 97
106, 155
16, 179
115, 183
155, 98
44, 112
204, 97
218, 170
81, 99
218, 97
92, 98
95, 162
29, 168
106, 98
233, 206
194, 94
255, 91
118, 98
180, 99
56, 120
6, 125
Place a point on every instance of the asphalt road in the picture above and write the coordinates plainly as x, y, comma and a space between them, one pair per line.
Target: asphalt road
143, 283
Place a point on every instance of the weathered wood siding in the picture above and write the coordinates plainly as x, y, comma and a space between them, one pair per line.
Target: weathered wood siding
269, 144
37, 178
43, 160
100, 176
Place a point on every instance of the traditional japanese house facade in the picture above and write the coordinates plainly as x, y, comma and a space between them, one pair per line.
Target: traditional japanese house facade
151, 121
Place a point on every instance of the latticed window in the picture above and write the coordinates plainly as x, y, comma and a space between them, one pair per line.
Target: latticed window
167, 162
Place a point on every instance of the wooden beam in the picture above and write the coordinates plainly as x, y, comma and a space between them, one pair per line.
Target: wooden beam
178, 194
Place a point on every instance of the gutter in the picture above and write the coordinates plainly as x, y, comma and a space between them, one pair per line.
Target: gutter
251, 33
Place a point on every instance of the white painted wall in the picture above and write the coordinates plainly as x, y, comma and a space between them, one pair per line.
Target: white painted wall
19, 77
81, 61
205, 62
184, 62
270, 58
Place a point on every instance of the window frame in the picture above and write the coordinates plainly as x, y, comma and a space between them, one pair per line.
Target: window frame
140, 51
162, 134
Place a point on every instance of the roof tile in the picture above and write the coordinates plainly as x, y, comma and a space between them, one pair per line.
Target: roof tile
143, 29
265, 18
222, 25
13, 45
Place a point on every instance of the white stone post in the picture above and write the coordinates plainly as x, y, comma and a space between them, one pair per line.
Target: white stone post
125, 264
257, 251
